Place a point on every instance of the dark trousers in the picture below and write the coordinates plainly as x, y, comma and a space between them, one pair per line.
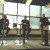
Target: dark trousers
46, 36
24, 33
6, 28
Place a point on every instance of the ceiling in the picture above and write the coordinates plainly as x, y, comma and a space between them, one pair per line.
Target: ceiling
17, 1
34, 2
40, 2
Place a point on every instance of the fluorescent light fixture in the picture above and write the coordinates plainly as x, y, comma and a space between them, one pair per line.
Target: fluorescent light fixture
1, 1
28, 2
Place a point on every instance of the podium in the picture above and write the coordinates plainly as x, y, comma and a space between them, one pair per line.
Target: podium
45, 27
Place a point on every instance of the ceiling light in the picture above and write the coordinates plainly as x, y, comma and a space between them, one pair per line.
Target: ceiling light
28, 2
1, 1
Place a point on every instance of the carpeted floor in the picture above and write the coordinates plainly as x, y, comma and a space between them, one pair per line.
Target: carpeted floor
30, 44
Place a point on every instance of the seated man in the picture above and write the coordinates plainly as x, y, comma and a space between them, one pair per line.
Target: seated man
25, 26
4, 23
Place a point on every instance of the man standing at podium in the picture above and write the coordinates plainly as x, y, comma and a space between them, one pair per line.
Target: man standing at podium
44, 29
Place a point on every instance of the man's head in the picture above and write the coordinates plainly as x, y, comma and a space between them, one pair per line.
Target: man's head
4, 16
25, 17
43, 15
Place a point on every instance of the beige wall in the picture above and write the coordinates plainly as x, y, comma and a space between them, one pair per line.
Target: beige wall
32, 32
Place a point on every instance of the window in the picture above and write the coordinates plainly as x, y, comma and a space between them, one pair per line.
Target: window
10, 8
49, 25
23, 9
12, 19
46, 11
34, 23
1, 8
35, 11
0, 16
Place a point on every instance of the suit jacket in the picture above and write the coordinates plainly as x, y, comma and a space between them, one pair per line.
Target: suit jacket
27, 24
4, 23
44, 21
